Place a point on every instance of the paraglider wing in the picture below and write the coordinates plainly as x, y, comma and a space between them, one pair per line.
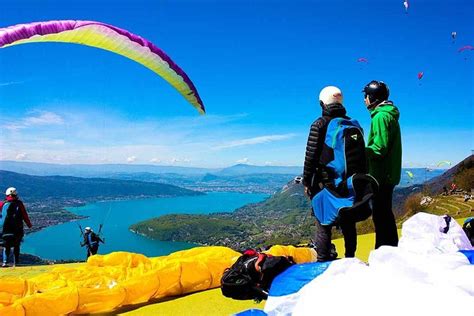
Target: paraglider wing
453, 35
467, 47
362, 60
444, 162
410, 174
420, 75
109, 38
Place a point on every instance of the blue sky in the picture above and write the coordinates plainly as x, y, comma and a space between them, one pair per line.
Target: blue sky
258, 66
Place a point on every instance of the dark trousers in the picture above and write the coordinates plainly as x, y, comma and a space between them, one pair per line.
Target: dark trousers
384, 220
13, 242
323, 240
16, 253
92, 250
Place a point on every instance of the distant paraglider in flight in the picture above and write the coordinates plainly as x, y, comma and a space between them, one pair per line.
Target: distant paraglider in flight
464, 48
443, 162
361, 61
410, 174
453, 36
420, 76
406, 5
107, 37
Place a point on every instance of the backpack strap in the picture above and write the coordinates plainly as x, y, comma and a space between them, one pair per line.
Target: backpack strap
259, 262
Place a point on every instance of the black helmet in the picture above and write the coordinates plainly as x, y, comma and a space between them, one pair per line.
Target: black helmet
377, 91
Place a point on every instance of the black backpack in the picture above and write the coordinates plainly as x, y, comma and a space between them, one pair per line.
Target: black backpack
251, 275
13, 223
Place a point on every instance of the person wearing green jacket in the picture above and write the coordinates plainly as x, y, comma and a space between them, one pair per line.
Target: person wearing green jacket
384, 157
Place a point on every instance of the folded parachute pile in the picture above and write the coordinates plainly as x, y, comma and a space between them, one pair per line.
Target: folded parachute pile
431, 272
117, 279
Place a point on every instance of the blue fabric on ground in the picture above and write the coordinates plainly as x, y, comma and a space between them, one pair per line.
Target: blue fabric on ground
469, 254
295, 277
252, 312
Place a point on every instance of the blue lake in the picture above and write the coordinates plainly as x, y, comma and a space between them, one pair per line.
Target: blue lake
62, 241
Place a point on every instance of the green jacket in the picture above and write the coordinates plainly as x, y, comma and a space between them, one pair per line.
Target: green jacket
384, 146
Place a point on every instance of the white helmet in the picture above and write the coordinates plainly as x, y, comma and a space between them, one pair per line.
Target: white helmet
88, 229
11, 191
330, 95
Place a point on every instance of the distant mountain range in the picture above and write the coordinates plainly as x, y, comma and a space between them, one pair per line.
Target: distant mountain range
238, 178
95, 170
65, 187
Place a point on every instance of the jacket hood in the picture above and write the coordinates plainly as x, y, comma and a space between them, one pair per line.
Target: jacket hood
334, 110
387, 107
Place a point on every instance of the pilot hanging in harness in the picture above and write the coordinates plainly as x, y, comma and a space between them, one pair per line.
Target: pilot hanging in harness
91, 240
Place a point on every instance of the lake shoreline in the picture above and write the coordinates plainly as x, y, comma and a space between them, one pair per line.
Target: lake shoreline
61, 242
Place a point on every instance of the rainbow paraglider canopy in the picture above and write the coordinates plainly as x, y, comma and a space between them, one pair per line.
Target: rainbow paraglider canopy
109, 38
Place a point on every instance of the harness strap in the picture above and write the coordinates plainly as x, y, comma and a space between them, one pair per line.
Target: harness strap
261, 257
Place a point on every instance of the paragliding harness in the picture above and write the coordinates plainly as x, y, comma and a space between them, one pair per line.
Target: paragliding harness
251, 275
345, 188
91, 240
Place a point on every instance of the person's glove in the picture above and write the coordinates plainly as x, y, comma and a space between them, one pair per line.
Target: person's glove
307, 192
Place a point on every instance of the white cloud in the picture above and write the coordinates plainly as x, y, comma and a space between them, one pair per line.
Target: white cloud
4, 84
254, 141
131, 159
243, 160
41, 119
21, 156
268, 163
44, 118
95, 136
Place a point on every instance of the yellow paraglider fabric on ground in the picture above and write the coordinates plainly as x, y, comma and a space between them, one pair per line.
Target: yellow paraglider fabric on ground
110, 281
299, 254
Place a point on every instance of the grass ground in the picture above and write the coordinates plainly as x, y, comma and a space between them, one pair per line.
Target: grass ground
210, 302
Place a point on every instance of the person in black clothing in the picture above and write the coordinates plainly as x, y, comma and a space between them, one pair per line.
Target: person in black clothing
12, 215
315, 176
91, 240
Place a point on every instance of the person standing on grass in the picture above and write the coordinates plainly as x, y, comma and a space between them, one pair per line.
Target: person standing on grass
384, 157
12, 215
316, 175
91, 240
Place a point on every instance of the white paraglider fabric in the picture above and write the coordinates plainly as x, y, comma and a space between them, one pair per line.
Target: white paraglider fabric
425, 275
